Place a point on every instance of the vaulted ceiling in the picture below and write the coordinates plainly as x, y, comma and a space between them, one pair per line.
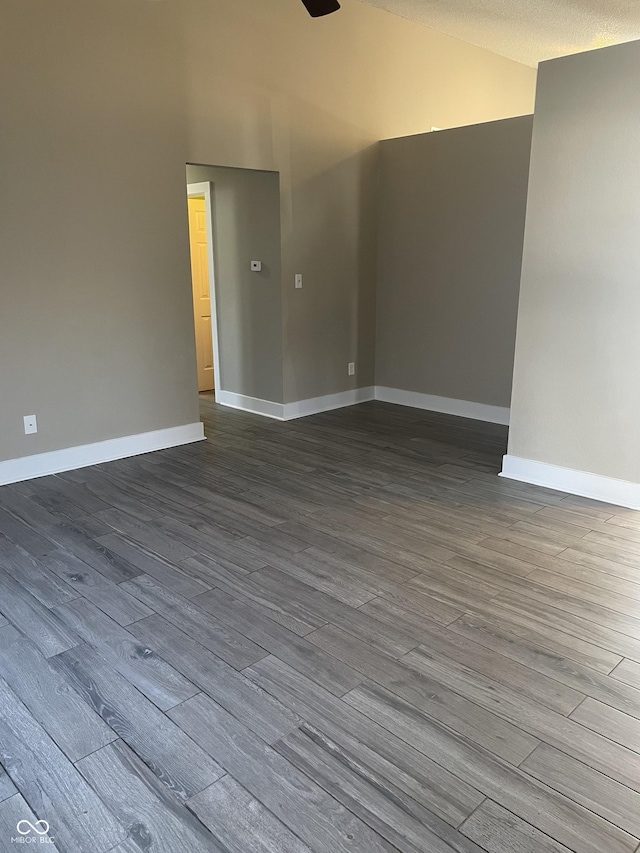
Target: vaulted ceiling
528, 31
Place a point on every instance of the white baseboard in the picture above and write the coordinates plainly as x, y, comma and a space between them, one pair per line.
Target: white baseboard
315, 405
582, 483
250, 404
298, 409
444, 405
56, 461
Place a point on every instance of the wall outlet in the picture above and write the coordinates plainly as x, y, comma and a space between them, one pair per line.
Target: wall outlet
298, 280
30, 424
352, 368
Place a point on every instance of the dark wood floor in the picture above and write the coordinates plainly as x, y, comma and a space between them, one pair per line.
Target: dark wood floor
343, 634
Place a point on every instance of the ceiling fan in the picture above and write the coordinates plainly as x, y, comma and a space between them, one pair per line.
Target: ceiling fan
318, 8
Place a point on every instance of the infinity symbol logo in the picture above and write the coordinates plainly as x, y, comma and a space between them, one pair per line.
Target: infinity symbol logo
33, 828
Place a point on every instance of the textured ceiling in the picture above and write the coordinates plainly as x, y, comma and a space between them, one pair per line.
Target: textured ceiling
528, 31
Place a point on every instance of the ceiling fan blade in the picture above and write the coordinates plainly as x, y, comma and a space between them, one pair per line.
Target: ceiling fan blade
318, 8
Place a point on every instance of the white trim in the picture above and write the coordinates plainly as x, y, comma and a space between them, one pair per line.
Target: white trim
445, 405
250, 404
43, 464
594, 486
298, 409
206, 189
315, 405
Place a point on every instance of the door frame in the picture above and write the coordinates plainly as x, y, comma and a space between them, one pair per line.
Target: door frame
206, 189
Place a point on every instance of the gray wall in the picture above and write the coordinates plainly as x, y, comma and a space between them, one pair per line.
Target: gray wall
271, 88
103, 103
576, 400
452, 210
96, 322
247, 227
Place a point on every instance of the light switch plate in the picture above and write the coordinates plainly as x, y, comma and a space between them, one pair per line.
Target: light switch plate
298, 280
256, 266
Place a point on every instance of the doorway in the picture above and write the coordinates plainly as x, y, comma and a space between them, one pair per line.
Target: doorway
202, 278
241, 243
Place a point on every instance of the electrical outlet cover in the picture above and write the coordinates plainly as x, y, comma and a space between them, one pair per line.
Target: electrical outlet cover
30, 425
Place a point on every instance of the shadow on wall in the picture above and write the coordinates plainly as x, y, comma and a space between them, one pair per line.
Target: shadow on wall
246, 227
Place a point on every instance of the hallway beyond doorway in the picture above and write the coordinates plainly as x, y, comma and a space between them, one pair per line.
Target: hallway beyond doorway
199, 244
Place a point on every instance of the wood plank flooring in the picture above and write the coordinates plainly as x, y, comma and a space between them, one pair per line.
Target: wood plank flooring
342, 634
